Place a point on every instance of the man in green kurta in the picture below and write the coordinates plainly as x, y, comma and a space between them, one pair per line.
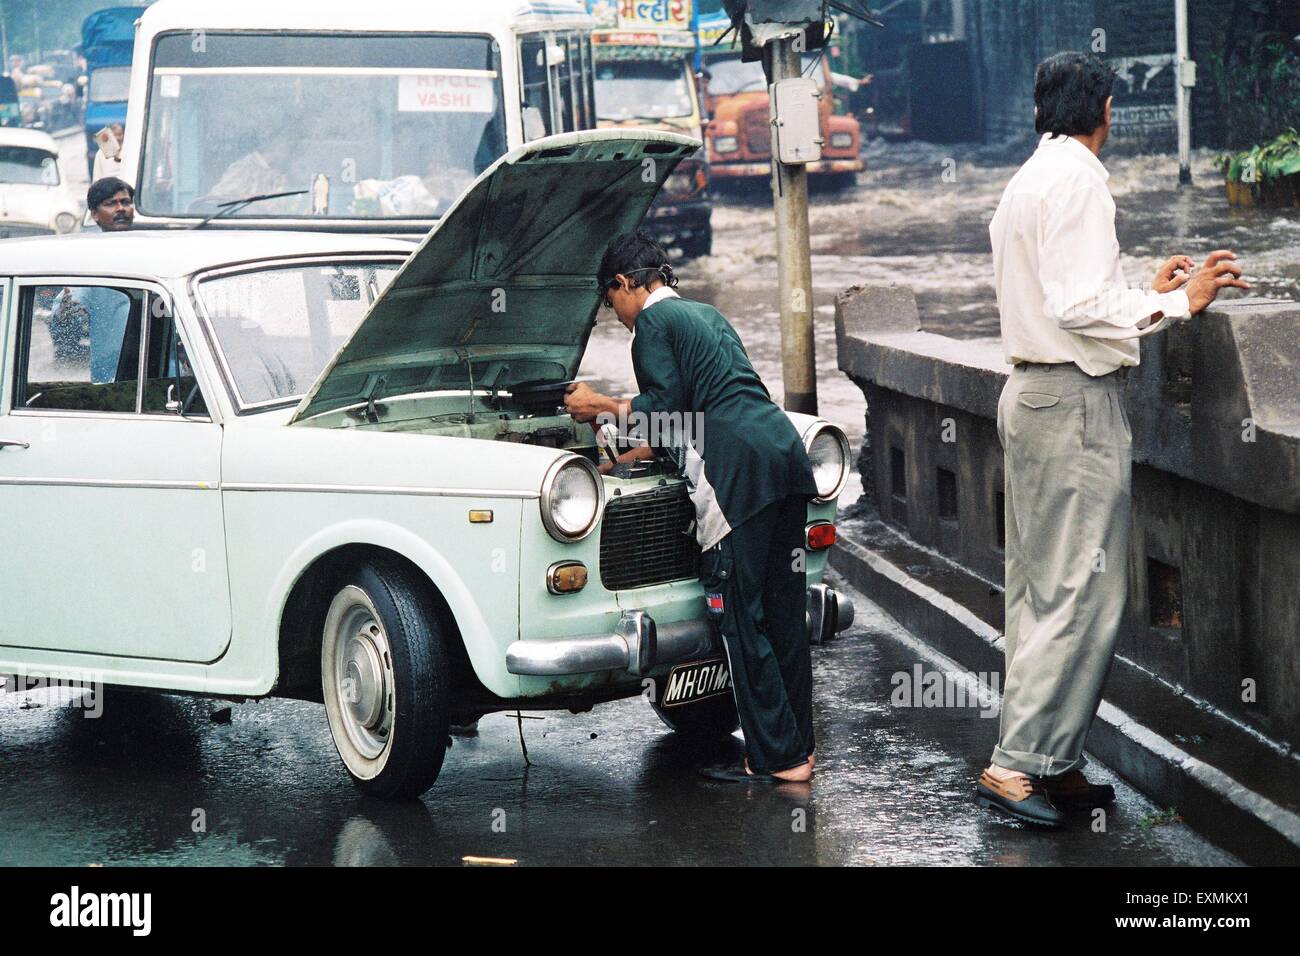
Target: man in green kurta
702, 404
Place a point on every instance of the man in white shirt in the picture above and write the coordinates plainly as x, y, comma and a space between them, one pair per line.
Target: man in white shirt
1069, 323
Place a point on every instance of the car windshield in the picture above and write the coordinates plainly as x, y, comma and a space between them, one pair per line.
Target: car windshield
278, 328
109, 84
29, 167
371, 126
642, 90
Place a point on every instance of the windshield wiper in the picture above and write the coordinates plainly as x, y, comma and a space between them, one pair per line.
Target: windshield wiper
235, 205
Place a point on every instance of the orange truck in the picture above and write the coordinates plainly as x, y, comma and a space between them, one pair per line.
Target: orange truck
645, 79
739, 132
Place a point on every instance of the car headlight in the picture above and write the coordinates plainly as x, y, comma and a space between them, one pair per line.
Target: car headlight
828, 450
678, 186
726, 144
841, 140
573, 495
64, 223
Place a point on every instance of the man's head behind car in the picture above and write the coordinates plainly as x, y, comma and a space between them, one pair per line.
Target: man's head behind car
111, 202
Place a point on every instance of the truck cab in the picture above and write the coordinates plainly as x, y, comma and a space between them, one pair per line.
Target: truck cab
645, 79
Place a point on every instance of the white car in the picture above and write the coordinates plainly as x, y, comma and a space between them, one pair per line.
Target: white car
326, 467
34, 198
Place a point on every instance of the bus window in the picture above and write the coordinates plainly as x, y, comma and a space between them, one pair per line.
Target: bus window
380, 125
536, 93
563, 61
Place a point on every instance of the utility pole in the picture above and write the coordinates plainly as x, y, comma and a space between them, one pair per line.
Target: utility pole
793, 254
1184, 80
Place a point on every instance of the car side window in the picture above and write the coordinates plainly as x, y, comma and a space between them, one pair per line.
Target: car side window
80, 348
170, 386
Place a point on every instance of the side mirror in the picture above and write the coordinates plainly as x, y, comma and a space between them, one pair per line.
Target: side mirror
173, 403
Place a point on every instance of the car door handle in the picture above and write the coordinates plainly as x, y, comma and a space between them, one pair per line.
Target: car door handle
11, 443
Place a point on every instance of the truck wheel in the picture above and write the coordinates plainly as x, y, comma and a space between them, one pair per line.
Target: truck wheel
711, 717
384, 668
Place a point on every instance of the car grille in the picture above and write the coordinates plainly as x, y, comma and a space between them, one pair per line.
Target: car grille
648, 538
758, 132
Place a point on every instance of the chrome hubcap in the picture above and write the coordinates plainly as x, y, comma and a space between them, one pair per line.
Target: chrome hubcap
360, 672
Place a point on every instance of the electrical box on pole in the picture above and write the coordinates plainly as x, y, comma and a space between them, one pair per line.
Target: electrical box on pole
796, 120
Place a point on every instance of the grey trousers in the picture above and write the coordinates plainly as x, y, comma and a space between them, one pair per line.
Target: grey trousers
1066, 441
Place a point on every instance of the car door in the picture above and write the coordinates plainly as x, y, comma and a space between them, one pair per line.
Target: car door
110, 508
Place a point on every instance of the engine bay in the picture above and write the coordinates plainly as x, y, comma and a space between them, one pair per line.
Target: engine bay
534, 417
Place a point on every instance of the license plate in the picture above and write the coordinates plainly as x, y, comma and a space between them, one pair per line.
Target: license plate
697, 680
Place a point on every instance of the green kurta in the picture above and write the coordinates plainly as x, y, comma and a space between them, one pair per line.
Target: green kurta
741, 451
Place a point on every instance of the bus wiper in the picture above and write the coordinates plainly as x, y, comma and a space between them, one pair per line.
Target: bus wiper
235, 205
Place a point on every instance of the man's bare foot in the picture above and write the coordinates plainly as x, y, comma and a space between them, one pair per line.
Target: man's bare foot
812, 761
800, 774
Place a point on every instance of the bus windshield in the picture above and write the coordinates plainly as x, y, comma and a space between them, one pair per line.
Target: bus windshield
368, 125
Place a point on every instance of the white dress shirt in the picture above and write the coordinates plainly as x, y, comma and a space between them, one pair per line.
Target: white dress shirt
1061, 290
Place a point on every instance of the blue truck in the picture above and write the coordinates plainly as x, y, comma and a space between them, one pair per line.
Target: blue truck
107, 41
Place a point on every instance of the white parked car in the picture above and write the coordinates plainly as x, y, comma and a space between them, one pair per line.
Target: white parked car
323, 467
34, 197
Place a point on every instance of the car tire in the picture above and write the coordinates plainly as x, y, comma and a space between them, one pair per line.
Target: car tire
712, 717
384, 667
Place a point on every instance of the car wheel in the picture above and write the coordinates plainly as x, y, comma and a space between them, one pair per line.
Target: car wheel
711, 717
384, 670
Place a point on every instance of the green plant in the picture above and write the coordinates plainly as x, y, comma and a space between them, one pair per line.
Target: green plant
1256, 88
1160, 818
1265, 161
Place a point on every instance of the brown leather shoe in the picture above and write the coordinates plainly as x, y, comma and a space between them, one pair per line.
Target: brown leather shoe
1021, 797
1072, 791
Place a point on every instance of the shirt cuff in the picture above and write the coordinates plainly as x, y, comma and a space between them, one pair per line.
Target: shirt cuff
1175, 305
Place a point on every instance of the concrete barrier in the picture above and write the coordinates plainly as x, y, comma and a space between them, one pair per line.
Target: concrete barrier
1209, 641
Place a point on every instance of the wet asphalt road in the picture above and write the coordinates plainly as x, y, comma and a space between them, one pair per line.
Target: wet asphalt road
613, 786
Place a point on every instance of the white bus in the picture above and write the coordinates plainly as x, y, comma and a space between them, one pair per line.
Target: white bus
376, 115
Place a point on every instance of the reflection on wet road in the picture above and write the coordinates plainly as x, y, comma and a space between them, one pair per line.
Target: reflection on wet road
893, 786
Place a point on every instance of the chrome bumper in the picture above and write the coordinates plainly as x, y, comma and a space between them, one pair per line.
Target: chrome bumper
639, 645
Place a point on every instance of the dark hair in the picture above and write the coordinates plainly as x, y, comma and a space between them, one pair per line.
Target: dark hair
1070, 92
634, 254
106, 188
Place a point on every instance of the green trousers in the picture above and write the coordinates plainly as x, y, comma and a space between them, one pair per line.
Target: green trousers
755, 589
1066, 443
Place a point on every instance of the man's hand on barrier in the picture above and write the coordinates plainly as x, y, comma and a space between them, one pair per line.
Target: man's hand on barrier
1219, 272
1175, 273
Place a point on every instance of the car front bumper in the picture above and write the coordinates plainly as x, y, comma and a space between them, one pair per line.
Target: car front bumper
638, 645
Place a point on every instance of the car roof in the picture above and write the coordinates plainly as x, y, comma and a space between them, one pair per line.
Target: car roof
173, 253
32, 138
